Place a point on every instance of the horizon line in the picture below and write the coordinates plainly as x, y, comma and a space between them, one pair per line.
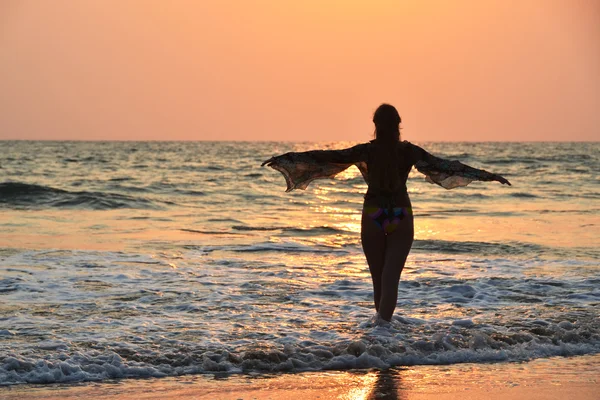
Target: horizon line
281, 141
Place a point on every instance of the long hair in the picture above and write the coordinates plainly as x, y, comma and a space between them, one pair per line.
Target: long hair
383, 171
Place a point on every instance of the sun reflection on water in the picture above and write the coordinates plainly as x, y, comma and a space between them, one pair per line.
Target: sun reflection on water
362, 392
353, 227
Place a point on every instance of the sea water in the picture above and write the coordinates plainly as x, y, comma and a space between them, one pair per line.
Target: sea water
151, 259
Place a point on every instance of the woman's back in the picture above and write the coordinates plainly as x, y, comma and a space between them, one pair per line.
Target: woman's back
388, 167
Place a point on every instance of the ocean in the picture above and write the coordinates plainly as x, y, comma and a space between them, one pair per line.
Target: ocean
155, 259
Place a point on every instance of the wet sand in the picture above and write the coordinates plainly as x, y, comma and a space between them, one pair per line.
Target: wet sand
552, 378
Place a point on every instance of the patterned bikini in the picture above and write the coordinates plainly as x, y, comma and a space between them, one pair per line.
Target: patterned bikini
388, 218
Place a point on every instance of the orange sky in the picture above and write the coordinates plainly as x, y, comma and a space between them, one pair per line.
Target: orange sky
305, 70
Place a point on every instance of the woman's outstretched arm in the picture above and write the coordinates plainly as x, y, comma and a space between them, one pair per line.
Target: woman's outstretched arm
301, 168
450, 173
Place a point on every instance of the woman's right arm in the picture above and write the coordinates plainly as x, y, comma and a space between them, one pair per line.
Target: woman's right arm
301, 168
350, 155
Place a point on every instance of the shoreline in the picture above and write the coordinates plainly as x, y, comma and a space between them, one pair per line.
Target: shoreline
550, 378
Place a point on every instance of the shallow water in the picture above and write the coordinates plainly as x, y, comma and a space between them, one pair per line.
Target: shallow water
160, 259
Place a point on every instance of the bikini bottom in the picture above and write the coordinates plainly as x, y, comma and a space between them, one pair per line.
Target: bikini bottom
388, 218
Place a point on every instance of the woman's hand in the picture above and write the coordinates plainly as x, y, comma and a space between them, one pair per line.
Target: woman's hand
502, 180
271, 160
268, 162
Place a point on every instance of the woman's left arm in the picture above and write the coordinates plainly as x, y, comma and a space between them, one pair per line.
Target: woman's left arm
450, 173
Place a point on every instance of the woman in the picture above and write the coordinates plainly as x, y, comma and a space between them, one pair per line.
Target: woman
387, 222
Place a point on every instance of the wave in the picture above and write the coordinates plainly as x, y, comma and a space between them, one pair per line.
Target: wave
472, 247
317, 230
269, 247
24, 195
378, 345
494, 249
523, 195
209, 232
490, 249
503, 249
257, 228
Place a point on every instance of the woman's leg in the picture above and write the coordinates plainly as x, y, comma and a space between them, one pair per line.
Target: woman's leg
373, 244
397, 245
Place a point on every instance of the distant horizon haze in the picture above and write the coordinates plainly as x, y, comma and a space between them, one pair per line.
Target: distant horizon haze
465, 71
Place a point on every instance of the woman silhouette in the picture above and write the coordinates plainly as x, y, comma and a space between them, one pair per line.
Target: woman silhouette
387, 222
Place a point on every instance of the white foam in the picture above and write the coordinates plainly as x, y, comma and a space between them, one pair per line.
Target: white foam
133, 315
371, 352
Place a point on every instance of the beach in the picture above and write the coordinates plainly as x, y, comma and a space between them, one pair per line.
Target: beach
548, 379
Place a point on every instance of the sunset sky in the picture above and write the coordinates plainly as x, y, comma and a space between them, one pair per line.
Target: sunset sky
463, 70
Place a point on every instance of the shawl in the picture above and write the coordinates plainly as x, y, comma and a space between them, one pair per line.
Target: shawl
301, 168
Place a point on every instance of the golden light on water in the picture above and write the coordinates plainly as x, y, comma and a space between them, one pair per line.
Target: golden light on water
362, 393
426, 230
334, 210
353, 227
349, 173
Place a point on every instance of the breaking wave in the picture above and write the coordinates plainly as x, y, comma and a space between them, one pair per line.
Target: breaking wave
24, 195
